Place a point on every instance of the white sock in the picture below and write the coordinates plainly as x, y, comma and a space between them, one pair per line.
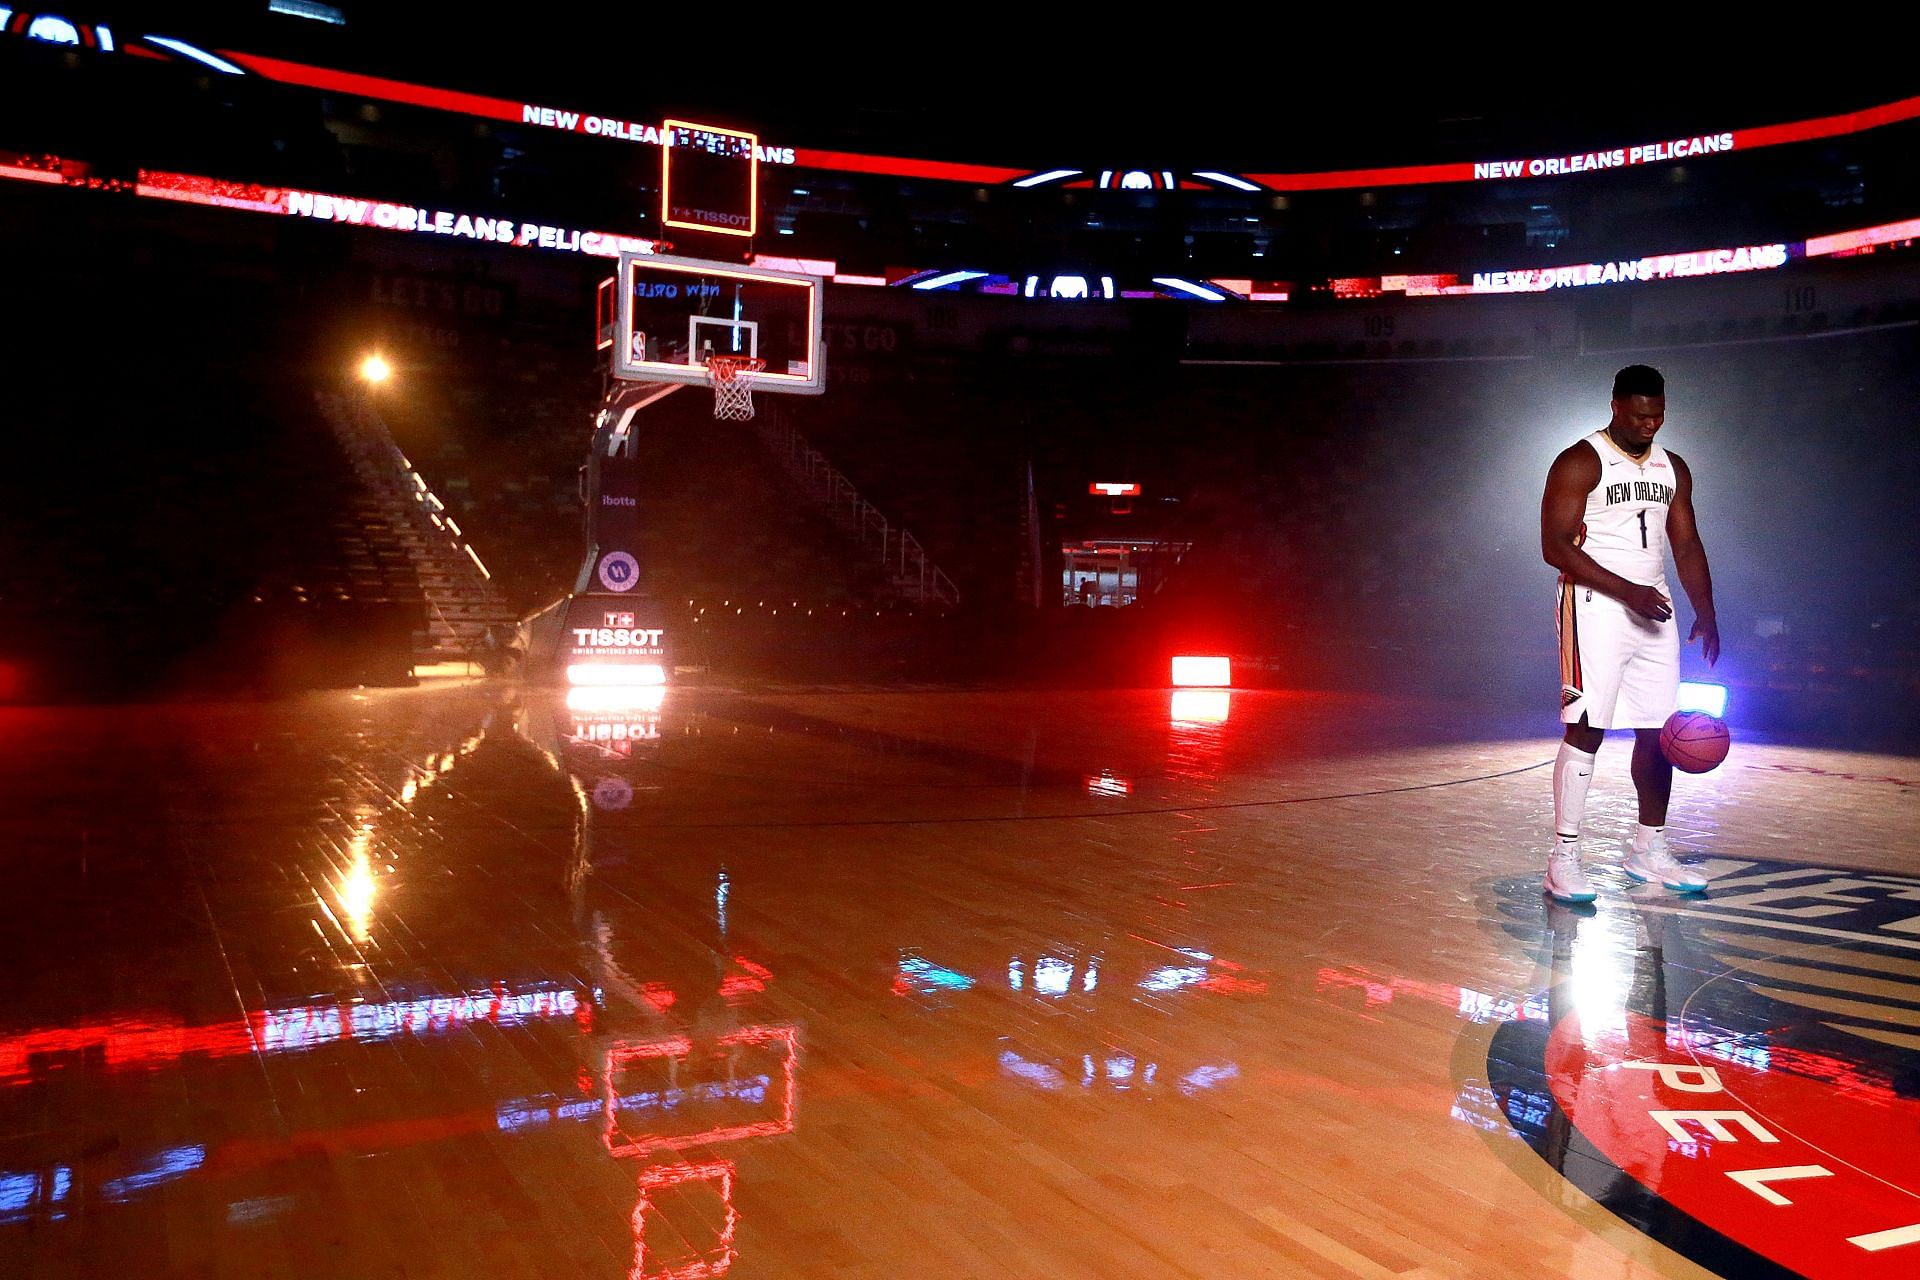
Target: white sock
1644, 836
1572, 771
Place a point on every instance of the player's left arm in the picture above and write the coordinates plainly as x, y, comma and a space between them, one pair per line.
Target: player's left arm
1690, 558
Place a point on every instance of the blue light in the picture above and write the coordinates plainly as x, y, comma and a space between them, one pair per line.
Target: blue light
53, 30
1208, 1077
1052, 976
528, 1113
186, 50
926, 976
949, 279
1699, 695
17, 1191
326, 13
106, 38
1173, 978
172, 1163
1189, 288
1036, 1073
1225, 179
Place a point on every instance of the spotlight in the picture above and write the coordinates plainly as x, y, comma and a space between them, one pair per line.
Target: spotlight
375, 369
1698, 695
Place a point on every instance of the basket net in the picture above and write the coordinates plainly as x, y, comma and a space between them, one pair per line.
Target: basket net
732, 394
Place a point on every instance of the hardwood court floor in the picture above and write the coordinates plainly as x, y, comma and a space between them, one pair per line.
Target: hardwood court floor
461, 982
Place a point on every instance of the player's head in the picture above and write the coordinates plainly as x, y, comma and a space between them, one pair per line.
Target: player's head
1639, 404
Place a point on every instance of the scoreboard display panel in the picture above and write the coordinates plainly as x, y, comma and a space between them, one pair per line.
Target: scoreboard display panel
710, 179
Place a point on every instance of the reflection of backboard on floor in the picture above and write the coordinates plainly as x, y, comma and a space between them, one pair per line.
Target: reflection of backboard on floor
666, 317
669, 1094
671, 1197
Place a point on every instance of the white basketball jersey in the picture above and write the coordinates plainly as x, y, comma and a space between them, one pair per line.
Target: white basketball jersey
1626, 521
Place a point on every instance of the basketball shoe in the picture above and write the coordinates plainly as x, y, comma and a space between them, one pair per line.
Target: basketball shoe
1651, 860
1566, 881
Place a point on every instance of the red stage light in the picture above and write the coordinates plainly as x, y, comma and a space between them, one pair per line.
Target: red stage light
1202, 673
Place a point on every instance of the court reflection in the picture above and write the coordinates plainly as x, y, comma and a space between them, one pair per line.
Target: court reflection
1197, 734
358, 818
1095, 995
686, 1066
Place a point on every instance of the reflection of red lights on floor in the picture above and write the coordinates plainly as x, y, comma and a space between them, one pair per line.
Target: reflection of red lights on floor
1228, 985
123, 1043
1200, 706
751, 981
623, 1055
1381, 990
129, 1043
708, 1262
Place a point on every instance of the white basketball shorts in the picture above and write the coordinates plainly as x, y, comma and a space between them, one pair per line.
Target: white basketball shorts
1618, 669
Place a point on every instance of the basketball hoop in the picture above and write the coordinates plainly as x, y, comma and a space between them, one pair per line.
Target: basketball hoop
732, 394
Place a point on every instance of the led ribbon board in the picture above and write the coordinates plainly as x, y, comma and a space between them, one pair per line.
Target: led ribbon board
710, 179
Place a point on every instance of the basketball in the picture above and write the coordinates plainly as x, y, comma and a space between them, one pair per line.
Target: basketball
1694, 741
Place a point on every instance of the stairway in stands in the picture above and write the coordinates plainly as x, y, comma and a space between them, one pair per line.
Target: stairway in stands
912, 576
401, 516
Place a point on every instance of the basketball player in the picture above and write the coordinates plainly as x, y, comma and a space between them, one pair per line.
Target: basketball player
1615, 502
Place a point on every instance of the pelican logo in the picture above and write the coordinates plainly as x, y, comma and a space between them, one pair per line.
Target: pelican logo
612, 794
1750, 1095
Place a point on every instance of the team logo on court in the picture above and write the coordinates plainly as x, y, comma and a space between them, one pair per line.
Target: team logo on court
619, 571
1739, 1075
612, 794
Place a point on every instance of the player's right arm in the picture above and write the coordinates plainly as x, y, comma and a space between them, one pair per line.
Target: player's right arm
1572, 477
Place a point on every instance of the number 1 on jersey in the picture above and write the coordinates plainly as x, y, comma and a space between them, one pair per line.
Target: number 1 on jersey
1643, 527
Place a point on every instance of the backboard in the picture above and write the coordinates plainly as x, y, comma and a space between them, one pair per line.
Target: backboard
672, 314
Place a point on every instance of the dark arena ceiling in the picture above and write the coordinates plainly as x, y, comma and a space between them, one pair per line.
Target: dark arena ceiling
1006, 88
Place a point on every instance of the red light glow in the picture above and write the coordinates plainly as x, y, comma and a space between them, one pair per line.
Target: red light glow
707, 1263
625, 1054
1200, 706
1202, 673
